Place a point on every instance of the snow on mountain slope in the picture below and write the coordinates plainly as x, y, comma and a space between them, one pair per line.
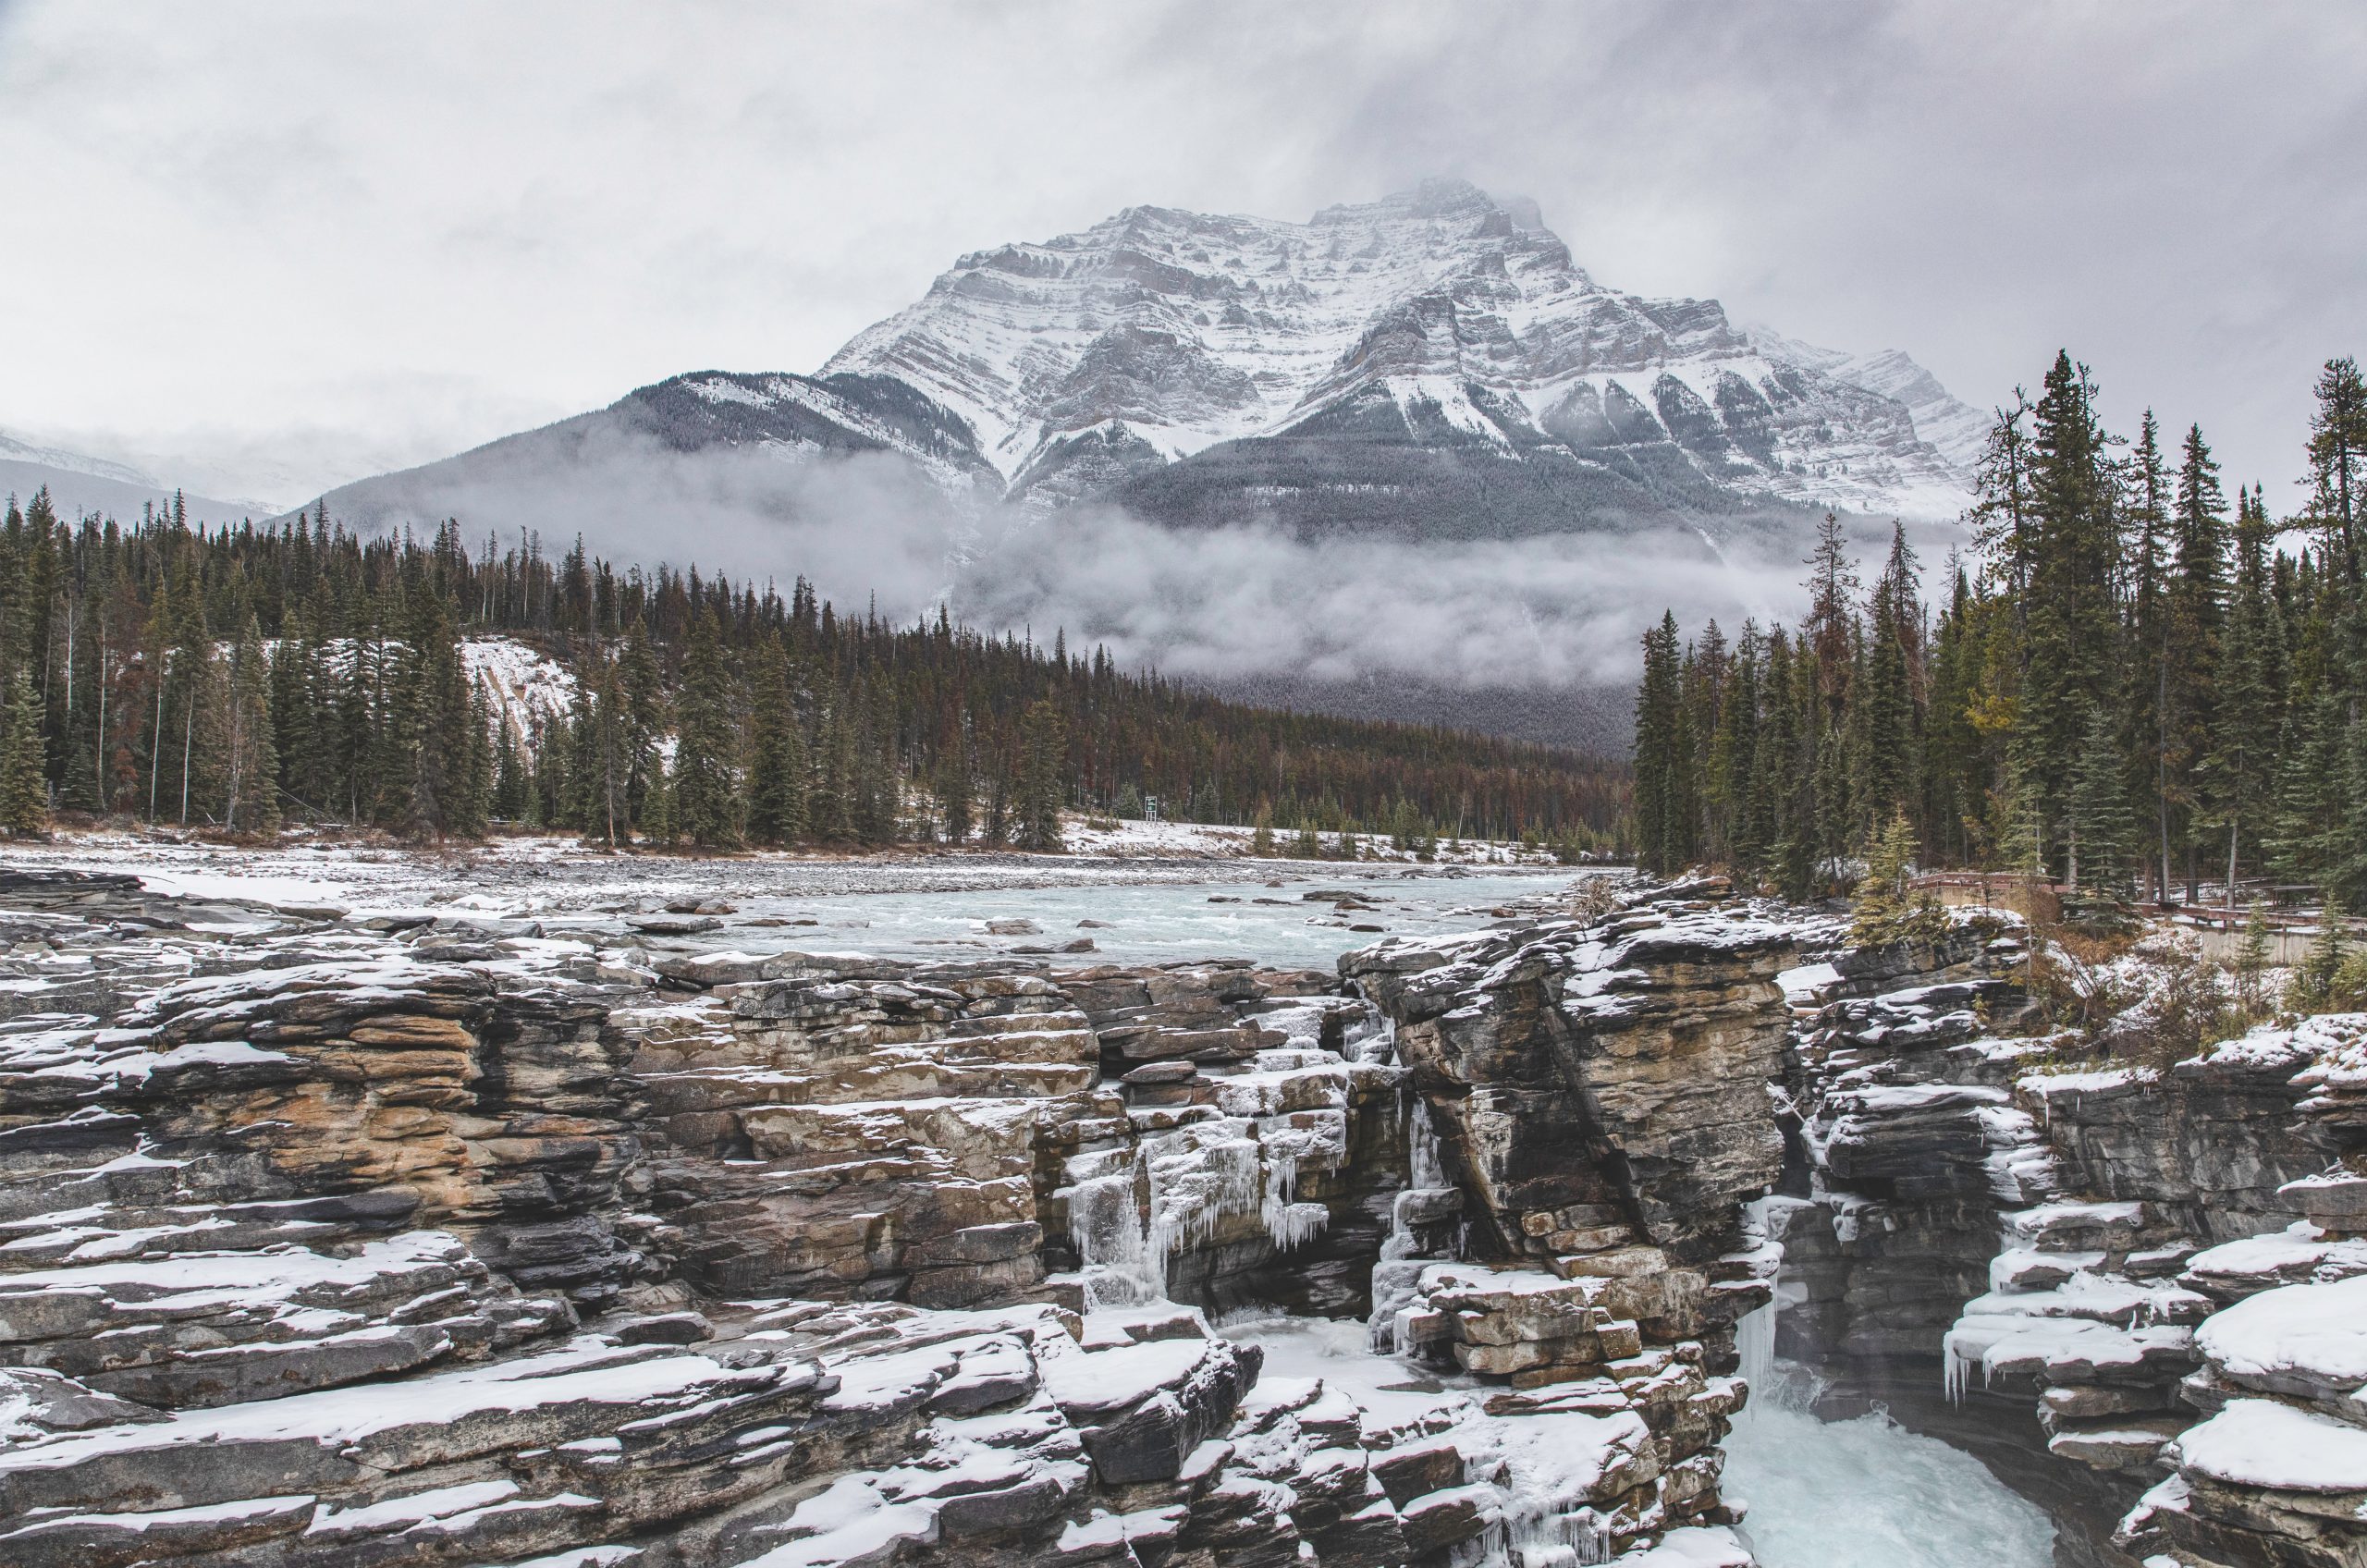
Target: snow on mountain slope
1437, 318
1954, 426
527, 687
79, 483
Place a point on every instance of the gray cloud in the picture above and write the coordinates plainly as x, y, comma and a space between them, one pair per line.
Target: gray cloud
300, 242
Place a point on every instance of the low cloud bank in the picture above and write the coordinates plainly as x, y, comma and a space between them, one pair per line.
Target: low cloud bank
1243, 610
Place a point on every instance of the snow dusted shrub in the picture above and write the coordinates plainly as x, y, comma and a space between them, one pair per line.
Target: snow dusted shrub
2079, 979
2180, 1001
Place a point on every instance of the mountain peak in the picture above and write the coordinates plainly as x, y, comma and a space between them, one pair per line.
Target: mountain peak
1101, 356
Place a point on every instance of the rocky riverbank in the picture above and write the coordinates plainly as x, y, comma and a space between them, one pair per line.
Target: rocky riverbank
331, 1240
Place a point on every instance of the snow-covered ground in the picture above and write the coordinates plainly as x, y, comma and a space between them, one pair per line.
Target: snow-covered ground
1106, 835
526, 685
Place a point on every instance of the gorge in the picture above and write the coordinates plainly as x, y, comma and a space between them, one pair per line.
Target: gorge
458, 1237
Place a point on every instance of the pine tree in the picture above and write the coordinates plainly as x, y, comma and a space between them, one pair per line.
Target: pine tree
2338, 452
1044, 751
251, 763
2103, 831
707, 785
2003, 519
777, 771
24, 794
1658, 759
1261, 837
2237, 765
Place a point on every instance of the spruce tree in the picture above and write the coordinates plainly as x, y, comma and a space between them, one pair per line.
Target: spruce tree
1733, 756
2196, 609
2068, 652
1887, 701
2313, 981
1884, 909
954, 792
2146, 683
640, 698
830, 804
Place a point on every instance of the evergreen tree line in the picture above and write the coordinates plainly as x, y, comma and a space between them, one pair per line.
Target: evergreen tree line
240, 678
2128, 687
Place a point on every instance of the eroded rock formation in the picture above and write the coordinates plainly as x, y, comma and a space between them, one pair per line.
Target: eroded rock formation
2058, 1237
336, 1243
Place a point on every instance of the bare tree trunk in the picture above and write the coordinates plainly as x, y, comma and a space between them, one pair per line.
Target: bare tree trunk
2231, 871
2161, 769
99, 760
156, 743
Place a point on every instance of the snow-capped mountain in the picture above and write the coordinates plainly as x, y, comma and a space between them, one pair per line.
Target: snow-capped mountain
1253, 357
1432, 364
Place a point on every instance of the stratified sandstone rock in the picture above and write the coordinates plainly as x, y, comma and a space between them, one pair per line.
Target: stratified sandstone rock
1596, 1087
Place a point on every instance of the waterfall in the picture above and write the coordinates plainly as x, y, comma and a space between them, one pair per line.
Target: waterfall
1422, 1150
1195, 1177
1755, 1340
1106, 1224
1399, 1271
1755, 1331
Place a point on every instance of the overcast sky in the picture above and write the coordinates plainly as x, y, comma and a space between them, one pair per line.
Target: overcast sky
271, 247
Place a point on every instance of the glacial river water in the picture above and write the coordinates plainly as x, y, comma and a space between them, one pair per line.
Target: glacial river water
1271, 921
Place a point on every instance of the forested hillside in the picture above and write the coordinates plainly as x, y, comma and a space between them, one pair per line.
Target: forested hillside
2125, 687
240, 679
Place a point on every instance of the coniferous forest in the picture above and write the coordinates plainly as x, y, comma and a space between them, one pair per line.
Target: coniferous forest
2131, 683
238, 679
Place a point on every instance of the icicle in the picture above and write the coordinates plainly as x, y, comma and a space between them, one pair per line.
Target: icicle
1953, 1368
1289, 1224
